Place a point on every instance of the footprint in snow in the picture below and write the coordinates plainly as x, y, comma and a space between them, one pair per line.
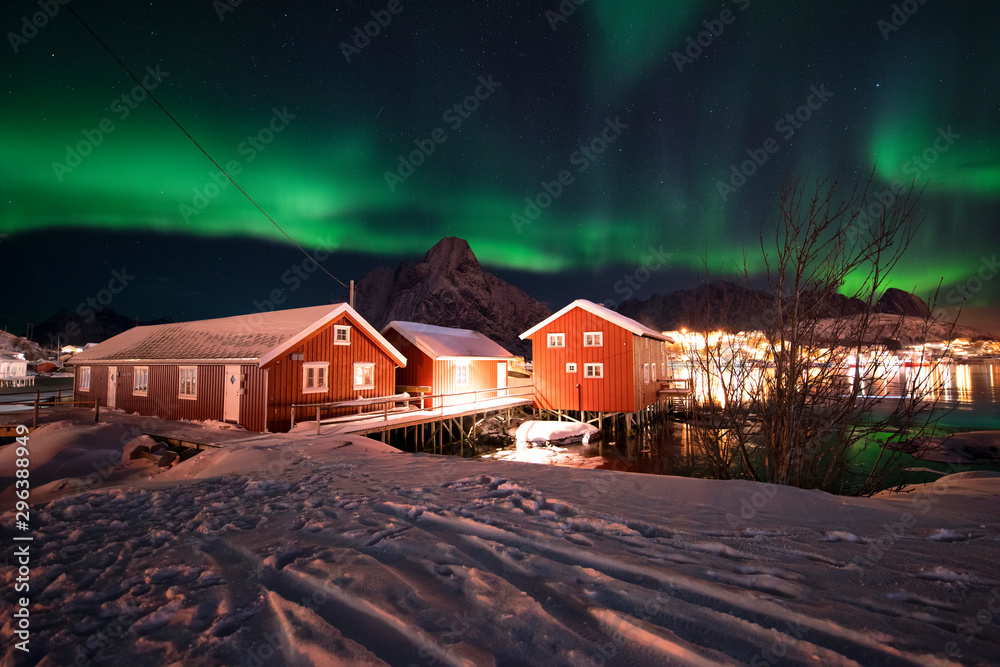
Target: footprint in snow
947, 535
843, 536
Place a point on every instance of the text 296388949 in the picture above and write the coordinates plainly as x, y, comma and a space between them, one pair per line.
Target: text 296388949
22, 548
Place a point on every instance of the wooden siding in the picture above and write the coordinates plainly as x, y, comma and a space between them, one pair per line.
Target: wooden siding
419, 369
648, 351
162, 397
285, 374
268, 392
482, 375
555, 389
98, 385
439, 375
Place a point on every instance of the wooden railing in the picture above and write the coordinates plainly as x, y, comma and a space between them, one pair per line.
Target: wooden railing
59, 399
17, 381
676, 386
524, 391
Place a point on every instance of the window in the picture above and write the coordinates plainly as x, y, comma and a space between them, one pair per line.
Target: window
364, 375
314, 377
570, 368
593, 370
557, 340
645, 373
189, 382
140, 384
653, 371
85, 378
461, 374
341, 335
593, 339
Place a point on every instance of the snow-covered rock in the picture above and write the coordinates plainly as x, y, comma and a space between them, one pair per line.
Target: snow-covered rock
532, 433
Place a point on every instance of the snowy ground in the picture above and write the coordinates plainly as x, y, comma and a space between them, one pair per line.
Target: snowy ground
337, 550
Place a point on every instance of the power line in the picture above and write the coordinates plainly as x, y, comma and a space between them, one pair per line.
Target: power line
194, 141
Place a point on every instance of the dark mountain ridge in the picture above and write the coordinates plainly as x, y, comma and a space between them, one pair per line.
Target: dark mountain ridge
731, 307
86, 326
449, 288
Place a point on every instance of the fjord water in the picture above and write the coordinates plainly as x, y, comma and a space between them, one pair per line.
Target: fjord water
967, 399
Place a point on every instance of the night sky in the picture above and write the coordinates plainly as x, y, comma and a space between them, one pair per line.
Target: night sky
616, 98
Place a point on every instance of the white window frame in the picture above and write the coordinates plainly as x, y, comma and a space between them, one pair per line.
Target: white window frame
556, 340
461, 374
645, 373
321, 377
359, 365
652, 370
337, 330
140, 381
593, 339
85, 378
593, 371
181, 372
571, 367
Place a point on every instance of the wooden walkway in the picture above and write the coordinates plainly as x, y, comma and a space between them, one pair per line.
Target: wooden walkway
394, 419
678, 392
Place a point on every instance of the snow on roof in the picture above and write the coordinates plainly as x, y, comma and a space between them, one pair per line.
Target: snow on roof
256, 337
446, 342
10, 356
626, 323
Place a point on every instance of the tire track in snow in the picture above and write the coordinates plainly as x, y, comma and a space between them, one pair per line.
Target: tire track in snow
385, 635
755, 609
575, 617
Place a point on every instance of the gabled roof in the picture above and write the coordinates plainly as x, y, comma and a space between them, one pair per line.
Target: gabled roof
626, 323
447, 343
254, 338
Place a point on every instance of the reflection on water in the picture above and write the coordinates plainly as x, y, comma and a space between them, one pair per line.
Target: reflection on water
967, 397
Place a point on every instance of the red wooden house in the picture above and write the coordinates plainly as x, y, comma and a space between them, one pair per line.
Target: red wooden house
589, 358
442, 360
246, 370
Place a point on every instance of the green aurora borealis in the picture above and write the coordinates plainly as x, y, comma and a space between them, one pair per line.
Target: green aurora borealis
323, 176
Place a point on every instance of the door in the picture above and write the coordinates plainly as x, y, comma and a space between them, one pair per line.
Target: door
502, 378
112, 385
231, 402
